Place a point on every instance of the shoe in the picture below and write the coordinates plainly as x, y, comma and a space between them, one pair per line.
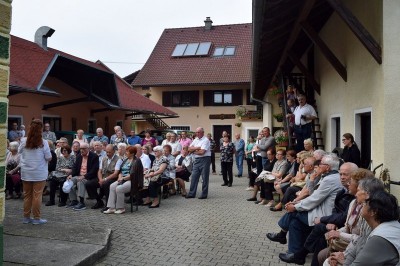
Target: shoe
238, 176
109, 211
9, 196
120, 211
98, 205
189, 197
104, 209
50, 203
249, 189
62, 204
202, 197
269, 205
39, 221
27, 220
229, 185
79, 207
276, 237
224, 184
257, 201
273, 209
72, 204
154, 206
290, 258
147, 204
263, 202
252, 199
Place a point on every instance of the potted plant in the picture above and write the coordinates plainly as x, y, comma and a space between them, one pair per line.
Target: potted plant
282, 139
278, 117
238, 124
275, 91
240, 112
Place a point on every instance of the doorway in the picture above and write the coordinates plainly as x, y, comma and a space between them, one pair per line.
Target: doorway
363, 137
217, 133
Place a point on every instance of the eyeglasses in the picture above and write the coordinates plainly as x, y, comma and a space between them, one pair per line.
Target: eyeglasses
64, 151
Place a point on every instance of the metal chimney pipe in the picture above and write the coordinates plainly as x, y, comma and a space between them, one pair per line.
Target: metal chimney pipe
41, 36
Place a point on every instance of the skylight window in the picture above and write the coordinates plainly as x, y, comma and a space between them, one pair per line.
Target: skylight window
224, 51
191, 49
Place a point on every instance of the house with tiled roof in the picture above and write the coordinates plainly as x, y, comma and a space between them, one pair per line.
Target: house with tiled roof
72, 93
203, 74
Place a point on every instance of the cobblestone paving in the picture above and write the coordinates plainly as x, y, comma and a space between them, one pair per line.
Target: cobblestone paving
224, 229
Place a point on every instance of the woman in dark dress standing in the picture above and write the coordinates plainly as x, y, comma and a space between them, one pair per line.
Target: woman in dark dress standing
351, 153
227, 149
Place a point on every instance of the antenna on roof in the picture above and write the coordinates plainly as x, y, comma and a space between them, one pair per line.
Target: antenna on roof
208, 23
41, 36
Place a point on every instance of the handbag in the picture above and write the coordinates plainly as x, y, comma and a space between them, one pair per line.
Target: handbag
58, 176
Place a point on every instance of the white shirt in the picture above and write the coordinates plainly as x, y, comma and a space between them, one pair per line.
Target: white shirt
146, 162
303, 110
176, 146
204, 144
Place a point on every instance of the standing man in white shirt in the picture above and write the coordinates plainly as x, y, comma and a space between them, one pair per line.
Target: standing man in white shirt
200, 149
304, 114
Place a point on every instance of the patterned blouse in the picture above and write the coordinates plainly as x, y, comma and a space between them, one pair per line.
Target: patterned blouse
227, 152
157, 164
65, 163
126, 167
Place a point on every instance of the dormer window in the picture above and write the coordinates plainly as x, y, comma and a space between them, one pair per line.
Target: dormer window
224, 51
191, 49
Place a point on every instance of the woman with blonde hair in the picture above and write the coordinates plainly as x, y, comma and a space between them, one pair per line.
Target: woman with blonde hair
35, 155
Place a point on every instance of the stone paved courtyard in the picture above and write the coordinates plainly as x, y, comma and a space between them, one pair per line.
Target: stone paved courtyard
224, 229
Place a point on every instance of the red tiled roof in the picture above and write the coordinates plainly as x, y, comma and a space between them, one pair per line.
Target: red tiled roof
29, 62
161, 69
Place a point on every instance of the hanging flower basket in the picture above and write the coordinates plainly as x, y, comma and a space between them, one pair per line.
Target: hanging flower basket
238, 124
278, 117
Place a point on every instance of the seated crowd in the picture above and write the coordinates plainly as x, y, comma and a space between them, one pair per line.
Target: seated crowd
107, 169
335, 210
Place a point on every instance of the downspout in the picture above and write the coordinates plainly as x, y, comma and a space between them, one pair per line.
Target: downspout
268, 118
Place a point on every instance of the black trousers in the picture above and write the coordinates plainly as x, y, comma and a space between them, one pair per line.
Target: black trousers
252, 176
268, 189
290, 194
213, 161
105, 189
91, 188
227, 174
316, 241
53, 187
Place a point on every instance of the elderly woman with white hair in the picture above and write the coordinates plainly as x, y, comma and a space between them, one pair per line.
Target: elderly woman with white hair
13, 177
308, 145
121, 150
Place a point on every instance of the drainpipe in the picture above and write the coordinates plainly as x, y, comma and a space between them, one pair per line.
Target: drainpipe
269, 111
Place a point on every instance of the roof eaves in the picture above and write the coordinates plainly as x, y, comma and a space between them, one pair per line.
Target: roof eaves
46, 73
191, 84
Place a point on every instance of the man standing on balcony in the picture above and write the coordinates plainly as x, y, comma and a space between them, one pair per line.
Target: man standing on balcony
303, 115
239, 153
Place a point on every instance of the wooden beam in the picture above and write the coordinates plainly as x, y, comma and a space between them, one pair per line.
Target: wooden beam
52, 105
305, 11
340, 69
293, 57
100, 110
358, 29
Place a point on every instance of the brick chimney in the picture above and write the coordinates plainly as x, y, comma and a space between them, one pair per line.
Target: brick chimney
208, 23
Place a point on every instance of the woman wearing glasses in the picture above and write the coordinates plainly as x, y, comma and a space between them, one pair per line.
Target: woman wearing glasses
64, 164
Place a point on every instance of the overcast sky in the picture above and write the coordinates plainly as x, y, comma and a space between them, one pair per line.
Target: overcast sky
121, 33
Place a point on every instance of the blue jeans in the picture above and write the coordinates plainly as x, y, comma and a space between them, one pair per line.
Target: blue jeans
239, 162
297, 225
201, 166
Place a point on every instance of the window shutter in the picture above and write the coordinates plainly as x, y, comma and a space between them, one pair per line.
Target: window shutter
194, 98
166, 98
208, 98
237, 97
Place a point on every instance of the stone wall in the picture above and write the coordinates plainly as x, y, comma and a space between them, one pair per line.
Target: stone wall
5, 27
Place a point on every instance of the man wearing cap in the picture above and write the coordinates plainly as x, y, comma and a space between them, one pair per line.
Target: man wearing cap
200, 149
84, 175
47, 134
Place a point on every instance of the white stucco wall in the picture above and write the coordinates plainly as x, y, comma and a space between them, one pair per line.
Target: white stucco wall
391, 73
364, 88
